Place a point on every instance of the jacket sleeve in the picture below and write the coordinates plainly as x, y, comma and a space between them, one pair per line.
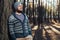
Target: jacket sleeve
29, 28
11, 29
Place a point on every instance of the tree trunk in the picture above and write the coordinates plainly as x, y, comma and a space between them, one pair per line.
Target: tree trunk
5, 11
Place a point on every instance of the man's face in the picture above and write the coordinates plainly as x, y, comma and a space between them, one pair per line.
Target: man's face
20, 7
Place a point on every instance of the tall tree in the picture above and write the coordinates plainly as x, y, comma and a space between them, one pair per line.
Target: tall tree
5, 11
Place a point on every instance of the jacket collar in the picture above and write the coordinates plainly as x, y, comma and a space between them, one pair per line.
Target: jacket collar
19, 19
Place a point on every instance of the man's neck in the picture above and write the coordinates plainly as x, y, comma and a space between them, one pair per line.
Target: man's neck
18, 13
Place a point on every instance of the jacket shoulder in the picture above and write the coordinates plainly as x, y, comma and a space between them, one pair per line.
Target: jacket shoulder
11, 17
26, 16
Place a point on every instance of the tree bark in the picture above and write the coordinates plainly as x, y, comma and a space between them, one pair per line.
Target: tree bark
5, 11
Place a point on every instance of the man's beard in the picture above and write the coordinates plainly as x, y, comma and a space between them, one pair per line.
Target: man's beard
19, 11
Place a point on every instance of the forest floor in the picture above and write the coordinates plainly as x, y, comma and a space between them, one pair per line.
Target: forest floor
49, 32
